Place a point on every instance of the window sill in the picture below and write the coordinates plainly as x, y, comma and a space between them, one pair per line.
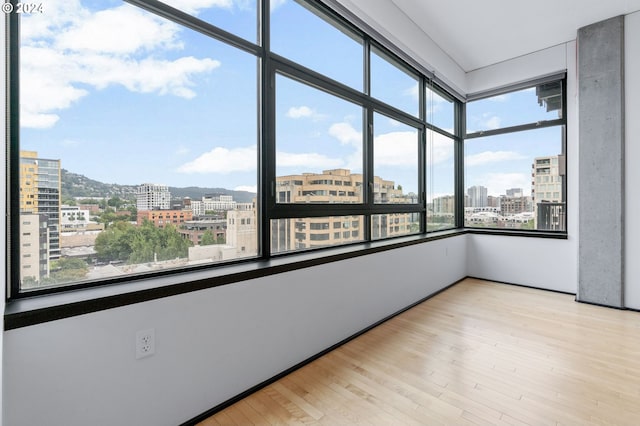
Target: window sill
518, 233
40, 309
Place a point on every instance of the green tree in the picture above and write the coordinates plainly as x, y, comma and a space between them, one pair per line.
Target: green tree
207, 238
115, 202
115, 243
68, 269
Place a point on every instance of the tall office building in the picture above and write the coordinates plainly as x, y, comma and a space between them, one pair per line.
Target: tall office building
152, 196
40, 188
477, 196
547, 176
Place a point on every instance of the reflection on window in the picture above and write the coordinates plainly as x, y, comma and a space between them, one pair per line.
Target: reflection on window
237, 17
289, 235
535, 104
125, 143
395, 161
392, 83
440, 182
318, 146
300, 33
516, 180
394, 225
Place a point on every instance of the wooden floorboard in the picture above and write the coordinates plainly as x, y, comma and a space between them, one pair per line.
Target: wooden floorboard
479, 353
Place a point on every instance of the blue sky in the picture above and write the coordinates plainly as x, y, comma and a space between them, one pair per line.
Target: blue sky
123, 96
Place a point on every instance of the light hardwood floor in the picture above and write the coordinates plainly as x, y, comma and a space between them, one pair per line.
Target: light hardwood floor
479, 353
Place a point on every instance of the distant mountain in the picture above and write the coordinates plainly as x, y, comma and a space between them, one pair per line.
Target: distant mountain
77, 185
196, 193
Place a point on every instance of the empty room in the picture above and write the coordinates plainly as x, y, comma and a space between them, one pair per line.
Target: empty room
325, 212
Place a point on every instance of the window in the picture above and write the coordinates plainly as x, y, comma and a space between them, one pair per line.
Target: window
304, 34
314, 229
185, 115
120, 97
441, 199
393, 83
382, 226
239, 18
395, 161
514, 169
318, 139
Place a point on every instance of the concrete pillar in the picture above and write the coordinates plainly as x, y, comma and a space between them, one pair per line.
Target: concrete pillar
601, 162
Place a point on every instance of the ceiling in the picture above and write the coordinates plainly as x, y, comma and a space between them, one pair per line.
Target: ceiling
478, 33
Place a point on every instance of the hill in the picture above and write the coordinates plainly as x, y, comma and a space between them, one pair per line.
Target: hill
77, 185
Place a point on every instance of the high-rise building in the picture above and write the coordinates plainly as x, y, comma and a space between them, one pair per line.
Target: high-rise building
547, 180
152, 196
34, 248
477, 196
40, 188
515, 192
336, 186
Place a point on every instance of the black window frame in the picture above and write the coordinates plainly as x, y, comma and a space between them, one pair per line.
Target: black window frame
535, 125
268, 209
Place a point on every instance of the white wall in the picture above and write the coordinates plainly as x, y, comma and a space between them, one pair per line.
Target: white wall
632, 160
544, 263
410, 38
211, 344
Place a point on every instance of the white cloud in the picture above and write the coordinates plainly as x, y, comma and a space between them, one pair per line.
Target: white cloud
120, 30
346, 134
439, 148
491, 123
248, 188
76, 51
489, 157
300, 112
413, 92
396, 149
223, 160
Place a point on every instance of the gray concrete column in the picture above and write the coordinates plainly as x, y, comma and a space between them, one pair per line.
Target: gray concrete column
601, 162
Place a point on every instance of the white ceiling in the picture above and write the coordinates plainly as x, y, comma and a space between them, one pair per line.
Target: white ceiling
478, 33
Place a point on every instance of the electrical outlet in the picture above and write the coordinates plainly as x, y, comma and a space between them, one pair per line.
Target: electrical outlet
145, 343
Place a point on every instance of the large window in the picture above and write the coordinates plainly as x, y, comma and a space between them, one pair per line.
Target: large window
515, 160
151, 138
138, 144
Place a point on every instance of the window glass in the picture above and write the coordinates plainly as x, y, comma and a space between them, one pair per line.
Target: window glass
289, 235
138, 145
440, 182
238, 17
391, 83
516, 180
394, 225
301, 33
318, 146
440, 109
538, 103
395, 161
